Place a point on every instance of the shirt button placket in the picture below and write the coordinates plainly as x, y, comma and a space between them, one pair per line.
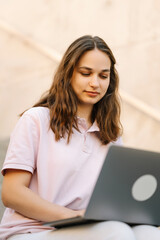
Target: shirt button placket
85, 145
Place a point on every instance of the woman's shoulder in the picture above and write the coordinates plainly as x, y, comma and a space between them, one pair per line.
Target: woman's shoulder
37, 113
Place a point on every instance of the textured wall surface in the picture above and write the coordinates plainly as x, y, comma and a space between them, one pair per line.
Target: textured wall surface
132, 30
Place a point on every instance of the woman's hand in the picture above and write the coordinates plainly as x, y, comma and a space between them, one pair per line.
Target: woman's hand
81, 212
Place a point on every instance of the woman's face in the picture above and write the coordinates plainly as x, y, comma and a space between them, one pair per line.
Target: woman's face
91, 77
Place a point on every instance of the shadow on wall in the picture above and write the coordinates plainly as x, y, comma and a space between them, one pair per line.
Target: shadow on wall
3, 149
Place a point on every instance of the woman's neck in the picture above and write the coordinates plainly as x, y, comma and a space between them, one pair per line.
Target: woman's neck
85, 112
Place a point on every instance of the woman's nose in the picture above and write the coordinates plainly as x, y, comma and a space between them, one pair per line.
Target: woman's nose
94, 81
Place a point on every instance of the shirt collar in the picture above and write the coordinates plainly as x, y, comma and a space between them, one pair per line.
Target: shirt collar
82, 123
94, 127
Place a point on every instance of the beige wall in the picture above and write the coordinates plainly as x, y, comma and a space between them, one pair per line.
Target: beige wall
132, 30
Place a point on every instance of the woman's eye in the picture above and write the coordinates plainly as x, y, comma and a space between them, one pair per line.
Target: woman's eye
85, 74
104, 76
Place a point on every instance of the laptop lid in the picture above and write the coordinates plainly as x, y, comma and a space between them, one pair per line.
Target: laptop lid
127, 189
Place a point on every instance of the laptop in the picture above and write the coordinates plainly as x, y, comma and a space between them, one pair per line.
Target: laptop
127, 190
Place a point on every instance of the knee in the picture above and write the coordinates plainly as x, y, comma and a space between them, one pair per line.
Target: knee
146, 232
116, 230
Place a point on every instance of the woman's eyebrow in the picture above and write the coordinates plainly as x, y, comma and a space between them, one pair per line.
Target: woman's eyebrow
90, 69
106, 70
87, 68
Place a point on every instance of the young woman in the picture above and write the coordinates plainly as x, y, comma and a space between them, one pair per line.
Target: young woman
57, 149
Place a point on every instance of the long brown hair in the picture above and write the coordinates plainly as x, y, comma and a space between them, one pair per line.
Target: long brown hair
62, 101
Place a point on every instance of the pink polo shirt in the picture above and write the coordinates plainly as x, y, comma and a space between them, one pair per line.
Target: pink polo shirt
63, 173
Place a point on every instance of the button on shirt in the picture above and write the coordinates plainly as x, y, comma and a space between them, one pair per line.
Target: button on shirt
63, 174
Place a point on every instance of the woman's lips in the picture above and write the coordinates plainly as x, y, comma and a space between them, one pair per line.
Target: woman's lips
91, 93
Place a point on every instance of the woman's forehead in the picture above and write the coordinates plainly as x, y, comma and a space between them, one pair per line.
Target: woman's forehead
94, 59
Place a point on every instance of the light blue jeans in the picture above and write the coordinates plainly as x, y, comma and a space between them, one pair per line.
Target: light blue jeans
109, 230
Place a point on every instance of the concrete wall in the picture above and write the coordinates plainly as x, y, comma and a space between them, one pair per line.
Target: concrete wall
132, 30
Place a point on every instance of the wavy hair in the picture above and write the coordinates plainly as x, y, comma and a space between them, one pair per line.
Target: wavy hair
62, 101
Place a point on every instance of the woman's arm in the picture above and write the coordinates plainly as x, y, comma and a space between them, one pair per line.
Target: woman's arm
17, 195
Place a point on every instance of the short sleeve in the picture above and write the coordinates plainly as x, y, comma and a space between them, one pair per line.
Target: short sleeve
22, 149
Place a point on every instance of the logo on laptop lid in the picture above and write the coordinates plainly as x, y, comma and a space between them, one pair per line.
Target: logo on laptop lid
144, 187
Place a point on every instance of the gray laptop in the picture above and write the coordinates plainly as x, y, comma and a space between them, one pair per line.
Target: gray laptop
127, 189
